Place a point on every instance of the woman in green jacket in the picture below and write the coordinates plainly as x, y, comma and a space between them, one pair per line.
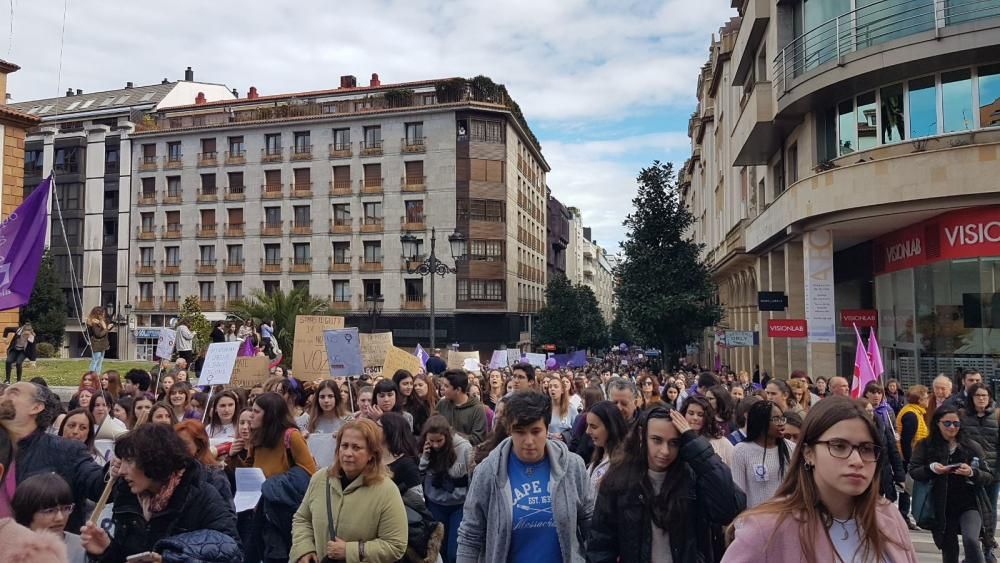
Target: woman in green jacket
368, 518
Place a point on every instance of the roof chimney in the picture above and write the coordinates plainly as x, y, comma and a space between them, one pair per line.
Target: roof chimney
348, 81
165, 81
236, 93
200, 99
69, 92
375, 81
129, 85
189, 74
79, 92
252, 93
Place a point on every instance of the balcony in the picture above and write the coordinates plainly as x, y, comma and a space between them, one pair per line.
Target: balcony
208, 230
236, 193
343, 267
372, 225
144, 303
371, 148
208, 159
341, 226
371, 186
273, 154
756, 14
340, 188
412, 146
302, 152
303, 227
149, 163
270, 266
209, 304
271, 229
171, 231
235, 230
756, 136
413, 262
145, 233
172, 198
236, 157
170, 268
302, 265
205, 267
145, 269
208, 196
372, 266
271, 191
413, 184
173, 162
413, 302
341, 150
232, 267
169, 303
147, 198
302, 189
413, 222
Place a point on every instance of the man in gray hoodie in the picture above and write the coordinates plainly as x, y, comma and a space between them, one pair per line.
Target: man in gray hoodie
531, 499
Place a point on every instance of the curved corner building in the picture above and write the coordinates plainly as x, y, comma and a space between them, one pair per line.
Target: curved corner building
846, 157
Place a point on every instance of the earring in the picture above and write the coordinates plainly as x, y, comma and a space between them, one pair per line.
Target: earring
809, 466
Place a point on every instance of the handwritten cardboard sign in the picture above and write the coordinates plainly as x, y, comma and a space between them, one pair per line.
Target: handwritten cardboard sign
374, 347
219, 362
309, 358
397, 359
343, 350
456, 359
250, 370
513, 356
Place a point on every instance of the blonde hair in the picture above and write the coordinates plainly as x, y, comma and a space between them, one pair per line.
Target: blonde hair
563, 403
801, 385
374, 472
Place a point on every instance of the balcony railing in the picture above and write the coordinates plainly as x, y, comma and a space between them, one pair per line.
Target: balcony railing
170, 303
303, 227
373, 265
270, 266
170, 268
232, 267
412, 302
341, 226
302, 189
413, 183
412, 222
145, 233
208, 159
372, 225
340, 187
208, 230
209, 304
302, 152
236, 193
172, 230
371, 185
148, 163
371, 148
236, 157
144, 303
270, 229
275, 154
145, 268
341, 150
271, 191
411, 146
208, 196
340, 266
301, 265
172, 198
147, 198
173, 162
235, 229
205, 266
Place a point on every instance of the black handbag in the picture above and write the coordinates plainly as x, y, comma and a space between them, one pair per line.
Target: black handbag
330, 529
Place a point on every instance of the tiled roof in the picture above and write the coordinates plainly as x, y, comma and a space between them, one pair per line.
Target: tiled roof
8, 114
8, 67
110, 99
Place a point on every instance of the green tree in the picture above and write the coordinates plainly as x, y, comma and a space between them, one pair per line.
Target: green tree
282, 308
570, 318
46, 309
665, 293
191, 311
620, 331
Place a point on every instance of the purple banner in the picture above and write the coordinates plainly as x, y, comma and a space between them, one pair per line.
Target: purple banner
22, 243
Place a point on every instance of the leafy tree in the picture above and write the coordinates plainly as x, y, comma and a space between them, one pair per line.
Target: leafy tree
665, 293
191, 311
570, 318
46, 309
282, 308
620, 331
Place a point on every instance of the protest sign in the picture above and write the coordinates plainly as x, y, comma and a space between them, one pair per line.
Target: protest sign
165, 343
343, 350
537, 360
373, 348
219, 362
499, 359
513, 356
309, 359
249, 481
456, 359
250, 370
471, 364
397, 359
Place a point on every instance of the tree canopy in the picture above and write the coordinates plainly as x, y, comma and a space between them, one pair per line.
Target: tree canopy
46, 309
282, 308
571, 317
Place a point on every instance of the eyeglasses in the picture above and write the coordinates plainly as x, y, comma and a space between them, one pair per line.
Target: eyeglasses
981, 396
778, 420
951, 424
65, 509
842, 449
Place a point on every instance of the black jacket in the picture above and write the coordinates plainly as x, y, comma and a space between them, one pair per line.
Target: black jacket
195, 505
436, 365
924, 454
985, 431
892, 467
40, 452
621, 530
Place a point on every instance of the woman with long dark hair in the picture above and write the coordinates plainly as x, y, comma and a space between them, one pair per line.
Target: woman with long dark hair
445, 463
411, 402
667, 494
275, 442
400, 453
760, 462
78, 425
828, 507
959, 471
327, 412
722, 403
780, 393
222, 415
386, 398
700, 414
107, 427
607, 429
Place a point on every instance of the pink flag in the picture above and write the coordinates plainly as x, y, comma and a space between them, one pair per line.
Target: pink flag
875, 355
862, 368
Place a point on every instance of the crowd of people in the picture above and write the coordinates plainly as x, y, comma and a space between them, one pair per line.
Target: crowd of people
512, 464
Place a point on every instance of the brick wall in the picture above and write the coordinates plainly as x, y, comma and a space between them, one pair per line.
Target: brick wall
13, 193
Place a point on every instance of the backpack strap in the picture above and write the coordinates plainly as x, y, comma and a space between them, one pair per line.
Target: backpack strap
288, 446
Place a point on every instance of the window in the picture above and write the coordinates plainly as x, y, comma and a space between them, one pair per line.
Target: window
147, 221
301, 214
373, 288
272, 179
792, 163
414, 290
235, 180
206, 254
272, 217
33, 162
146, 256
373, 252
145, 291
415, 133
341, 291
491, 210
342, 214
301, 285
373, 136
111, 200
866, 121
234, 254
486, 170
487, 131
174, 151
300, 252
234, 290
234, 215
414, 211
480, 290
341, 139
373, 175
989, 96
173, 218
923, 107
956, 94
236, 146
342, 177
302, 178
373, 211
111, 160
302, 143
272, 286
272, 144
205, 290
172, 255
208, 148
845, 117
341, 253
208, 186
173, 186
486, 249
65, 161
110, 231
149, 187
272, 254
779, 177
69, 196
893, 127
414, 171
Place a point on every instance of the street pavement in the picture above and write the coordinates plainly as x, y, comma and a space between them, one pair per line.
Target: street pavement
927, 552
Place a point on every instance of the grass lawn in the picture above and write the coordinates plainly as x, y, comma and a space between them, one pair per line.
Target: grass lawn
68, 372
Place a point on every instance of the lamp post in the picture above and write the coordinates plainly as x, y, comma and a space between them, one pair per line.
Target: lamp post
374, 308
431, 266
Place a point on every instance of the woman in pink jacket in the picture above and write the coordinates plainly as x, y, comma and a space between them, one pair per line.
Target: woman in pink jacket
828, 507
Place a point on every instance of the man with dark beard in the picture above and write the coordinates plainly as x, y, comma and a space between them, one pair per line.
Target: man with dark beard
26, 412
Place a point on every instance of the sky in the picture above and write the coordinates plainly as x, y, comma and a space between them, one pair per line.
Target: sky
607, 86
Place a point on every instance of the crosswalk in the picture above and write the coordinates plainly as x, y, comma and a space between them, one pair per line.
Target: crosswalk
927, 552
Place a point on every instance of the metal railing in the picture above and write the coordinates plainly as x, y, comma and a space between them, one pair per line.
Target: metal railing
878, 22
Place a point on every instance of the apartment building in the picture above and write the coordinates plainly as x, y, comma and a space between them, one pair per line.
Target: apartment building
315, 189
84, 141
556, 237
843, 156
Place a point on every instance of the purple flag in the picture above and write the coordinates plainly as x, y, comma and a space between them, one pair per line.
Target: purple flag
247, 348
422, 355
22, 243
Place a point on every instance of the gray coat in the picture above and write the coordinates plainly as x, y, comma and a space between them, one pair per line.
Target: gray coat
484, 534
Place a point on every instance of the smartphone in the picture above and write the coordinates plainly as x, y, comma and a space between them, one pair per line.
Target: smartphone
139, 557
953, 466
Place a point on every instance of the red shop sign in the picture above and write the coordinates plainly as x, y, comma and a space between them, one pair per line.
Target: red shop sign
968, 233
787, 328
860, 317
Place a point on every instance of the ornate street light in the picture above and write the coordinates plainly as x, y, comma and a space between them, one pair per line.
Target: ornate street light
374, 303
431, 266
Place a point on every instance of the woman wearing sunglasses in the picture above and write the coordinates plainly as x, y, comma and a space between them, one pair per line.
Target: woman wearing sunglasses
828, 507
958, 470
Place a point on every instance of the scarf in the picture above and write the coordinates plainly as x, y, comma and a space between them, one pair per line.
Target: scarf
156, 503
884, 411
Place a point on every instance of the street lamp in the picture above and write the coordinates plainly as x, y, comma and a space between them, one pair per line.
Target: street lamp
374, 308
431, 266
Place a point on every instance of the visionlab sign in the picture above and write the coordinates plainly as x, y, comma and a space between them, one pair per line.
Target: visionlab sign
787, 328
969, 233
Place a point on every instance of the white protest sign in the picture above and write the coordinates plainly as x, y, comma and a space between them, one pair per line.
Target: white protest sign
513, 356
499, 360
165, 343
470, 364
219, 362
537, 360
249, 480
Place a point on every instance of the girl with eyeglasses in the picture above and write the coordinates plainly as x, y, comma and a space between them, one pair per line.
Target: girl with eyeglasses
980, 422
959, 472
761, 460
828, 508
43, 503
